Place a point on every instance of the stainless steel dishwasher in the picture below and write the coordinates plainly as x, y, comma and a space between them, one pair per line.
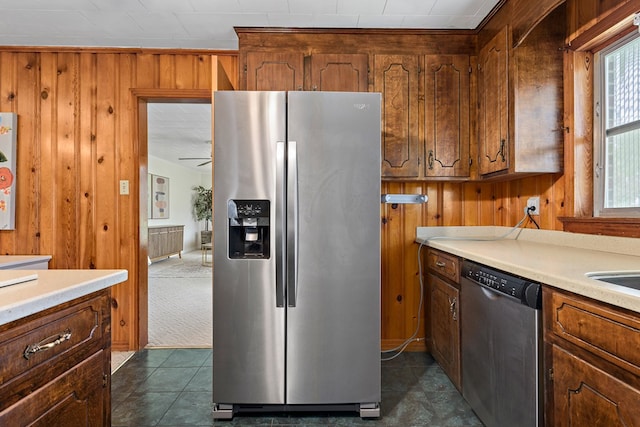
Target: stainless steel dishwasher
500, 321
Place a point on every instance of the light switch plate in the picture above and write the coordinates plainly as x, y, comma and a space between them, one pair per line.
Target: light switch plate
124, 187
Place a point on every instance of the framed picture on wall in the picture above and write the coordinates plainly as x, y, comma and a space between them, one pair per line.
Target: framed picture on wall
8, 132
159, 197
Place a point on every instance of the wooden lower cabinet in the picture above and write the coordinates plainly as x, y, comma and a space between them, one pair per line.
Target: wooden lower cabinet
445, 328
592, 362
584, 395
55, 366
443, 323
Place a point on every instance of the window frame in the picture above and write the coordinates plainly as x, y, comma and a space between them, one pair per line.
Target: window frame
599, 137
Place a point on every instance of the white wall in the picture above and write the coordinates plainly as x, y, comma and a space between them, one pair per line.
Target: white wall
181, 182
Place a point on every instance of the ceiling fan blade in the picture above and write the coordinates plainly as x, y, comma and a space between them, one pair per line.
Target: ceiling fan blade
205, 163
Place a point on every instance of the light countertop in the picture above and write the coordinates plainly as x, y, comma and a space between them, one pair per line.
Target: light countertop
554, 258
52, 287
22, 261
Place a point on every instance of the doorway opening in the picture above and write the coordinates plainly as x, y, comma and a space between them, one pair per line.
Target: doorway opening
148, 99
179, 155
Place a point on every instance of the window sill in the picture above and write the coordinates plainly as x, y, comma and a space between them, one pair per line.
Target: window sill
621, 227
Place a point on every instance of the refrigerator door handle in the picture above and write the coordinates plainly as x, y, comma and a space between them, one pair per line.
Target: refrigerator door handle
280, 222
292, 223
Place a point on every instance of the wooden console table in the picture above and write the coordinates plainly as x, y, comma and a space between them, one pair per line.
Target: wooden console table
165, 241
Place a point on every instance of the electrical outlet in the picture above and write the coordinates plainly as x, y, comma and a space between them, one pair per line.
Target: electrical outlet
535, 203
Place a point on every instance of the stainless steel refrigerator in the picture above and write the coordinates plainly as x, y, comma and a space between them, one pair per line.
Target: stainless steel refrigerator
296, 272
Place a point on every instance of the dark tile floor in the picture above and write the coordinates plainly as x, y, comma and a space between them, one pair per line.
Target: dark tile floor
172, 387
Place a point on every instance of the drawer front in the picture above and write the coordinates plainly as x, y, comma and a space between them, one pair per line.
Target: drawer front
444, 264
78, 397
611, 334
51, 338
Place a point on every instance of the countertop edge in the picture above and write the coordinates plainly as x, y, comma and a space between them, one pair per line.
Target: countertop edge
52, 288
8, 261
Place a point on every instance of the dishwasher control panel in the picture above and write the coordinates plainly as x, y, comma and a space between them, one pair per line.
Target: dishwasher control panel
524, 290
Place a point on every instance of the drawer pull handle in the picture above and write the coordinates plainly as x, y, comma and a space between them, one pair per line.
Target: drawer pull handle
440, 264
47, 343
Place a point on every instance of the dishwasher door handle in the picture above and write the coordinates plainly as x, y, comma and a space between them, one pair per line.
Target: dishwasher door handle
492, 295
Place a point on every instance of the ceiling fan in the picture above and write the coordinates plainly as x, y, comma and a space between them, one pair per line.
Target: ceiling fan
208, 159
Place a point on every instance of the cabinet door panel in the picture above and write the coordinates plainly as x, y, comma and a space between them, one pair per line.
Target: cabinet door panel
445, 332
339, 72
447, 115
493, 114
587, 396
396, 77
275, 71
78, 397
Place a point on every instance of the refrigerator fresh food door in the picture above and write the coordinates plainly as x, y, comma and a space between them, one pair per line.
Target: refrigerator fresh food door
249, 323
333, 289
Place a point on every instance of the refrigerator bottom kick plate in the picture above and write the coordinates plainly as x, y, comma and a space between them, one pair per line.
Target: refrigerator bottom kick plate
366, 410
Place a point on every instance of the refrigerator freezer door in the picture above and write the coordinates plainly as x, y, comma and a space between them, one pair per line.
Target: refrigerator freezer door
249, 327
333, 331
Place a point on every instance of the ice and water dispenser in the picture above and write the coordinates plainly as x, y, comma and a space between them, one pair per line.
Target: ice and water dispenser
248, 228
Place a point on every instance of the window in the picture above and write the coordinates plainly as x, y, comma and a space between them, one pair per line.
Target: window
617, 129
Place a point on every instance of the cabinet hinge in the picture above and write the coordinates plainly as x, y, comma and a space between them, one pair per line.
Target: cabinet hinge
470, 69
245, 68
104, 380
551, 374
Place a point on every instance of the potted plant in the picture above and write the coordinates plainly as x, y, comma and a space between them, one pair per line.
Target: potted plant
202, 210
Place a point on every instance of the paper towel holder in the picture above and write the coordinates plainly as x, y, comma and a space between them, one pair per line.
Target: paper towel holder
396, 199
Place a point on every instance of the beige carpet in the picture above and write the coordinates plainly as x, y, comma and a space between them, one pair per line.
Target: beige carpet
180, 312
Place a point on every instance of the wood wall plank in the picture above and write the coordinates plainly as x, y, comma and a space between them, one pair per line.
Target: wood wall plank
47, 128
86, 125
66, 171
126, 167
26, 95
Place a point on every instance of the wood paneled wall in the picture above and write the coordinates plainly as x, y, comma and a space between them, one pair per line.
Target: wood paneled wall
469, 204
77, 138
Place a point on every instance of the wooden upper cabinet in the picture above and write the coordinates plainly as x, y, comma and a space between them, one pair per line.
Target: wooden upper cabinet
521, 102
446, 121
292, 71
339, 72
493, 114
397, 78
275, 71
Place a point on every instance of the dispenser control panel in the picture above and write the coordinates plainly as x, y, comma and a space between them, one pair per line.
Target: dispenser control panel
249, 229
252, 208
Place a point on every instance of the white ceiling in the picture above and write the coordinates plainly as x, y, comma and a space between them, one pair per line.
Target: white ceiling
180, 130
208, 24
